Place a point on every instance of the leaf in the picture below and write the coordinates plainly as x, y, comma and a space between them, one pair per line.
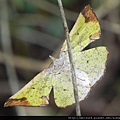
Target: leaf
89, 67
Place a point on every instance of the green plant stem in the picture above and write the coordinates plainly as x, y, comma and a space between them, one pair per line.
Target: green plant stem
75, 89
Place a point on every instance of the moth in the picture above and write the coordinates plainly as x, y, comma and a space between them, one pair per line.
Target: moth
89, 68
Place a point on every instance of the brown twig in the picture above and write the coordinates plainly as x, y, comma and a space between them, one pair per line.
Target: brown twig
78, 113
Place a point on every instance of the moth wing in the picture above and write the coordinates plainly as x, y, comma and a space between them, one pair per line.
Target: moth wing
35, 93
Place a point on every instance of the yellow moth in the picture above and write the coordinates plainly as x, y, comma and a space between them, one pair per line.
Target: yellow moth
89, 68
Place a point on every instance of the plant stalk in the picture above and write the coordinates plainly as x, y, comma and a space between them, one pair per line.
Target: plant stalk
75, 89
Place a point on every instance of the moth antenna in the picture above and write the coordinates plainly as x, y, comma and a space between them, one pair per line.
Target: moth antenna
52, 58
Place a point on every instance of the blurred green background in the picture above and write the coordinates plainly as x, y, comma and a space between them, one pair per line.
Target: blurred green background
31, 30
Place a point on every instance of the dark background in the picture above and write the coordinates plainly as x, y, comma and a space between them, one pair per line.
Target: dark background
31, 30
